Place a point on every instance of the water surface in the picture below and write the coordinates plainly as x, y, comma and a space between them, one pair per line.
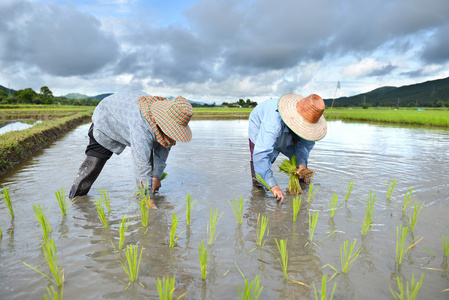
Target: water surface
214, 169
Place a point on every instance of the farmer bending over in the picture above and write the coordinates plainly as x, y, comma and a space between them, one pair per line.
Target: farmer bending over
289, 126
150, 125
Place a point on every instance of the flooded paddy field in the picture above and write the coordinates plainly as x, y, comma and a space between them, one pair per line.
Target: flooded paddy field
214, 169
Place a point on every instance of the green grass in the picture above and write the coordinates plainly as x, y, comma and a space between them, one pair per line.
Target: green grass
412, 217
42, 218
411, 290
174, 226
132, 263
104, 195
203, 256
333, 204
189, 206
282, 247
348, 255
401, 116
296, 206
313, 219
445, 246
123, 227
101, 213
262, 227
312, 192
211, 228
408, 199
64, 205
323, 294
369, 214
51, 257
251, 291
165, 288
237, 208
144, 210
7, 199
391, 184
349, 189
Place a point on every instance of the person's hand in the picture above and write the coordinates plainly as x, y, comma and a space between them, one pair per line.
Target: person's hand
300, 168
156, 184
278, 193
152, 205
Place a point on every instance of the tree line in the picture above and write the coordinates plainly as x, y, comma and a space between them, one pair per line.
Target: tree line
45, 96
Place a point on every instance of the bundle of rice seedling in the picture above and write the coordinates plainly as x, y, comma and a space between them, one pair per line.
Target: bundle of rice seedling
289, 167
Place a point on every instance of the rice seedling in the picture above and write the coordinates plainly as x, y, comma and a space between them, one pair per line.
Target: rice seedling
348, 255
202, 253
289, 166
122, 228
312, 192
411, 290
132, 263
50, 254
1, 234
407, 199
165, 288
282, 247
144, 195
237, 208
164, 175
100, 211
64, 205
391, 184
251, 291
349, 189
7, 199
333, 204
313, 218
189, 207
401, 236
52, 294
42, 218
296, 206
262, 226
263, 183
445, 246
104, 195
369, 214
174, 226
213, 221
144, 209
323, 294
414, 213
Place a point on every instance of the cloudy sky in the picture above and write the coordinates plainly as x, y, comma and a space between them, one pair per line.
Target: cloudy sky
222, 50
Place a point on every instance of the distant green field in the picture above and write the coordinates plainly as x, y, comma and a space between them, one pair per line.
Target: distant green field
202, 113
430, 117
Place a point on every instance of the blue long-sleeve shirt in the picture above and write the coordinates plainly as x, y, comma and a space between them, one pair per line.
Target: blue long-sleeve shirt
118, 123
271, 136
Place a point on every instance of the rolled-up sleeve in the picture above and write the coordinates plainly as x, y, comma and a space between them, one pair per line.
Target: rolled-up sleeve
264, 149
160, 154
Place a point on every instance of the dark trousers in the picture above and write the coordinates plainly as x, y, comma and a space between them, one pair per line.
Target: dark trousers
94, 148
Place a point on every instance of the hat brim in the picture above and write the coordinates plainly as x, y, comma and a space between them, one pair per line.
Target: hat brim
172, 129
291, 117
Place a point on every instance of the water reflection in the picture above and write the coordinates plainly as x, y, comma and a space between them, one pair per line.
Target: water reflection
17, 125
214, 169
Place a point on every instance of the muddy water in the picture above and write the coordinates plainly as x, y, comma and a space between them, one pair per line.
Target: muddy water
214, 168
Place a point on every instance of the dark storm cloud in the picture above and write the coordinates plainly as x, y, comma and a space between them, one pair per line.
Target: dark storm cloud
57, 39
385, 70
437, 50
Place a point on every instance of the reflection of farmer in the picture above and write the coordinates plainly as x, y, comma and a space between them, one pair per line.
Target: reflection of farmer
150, 125
289, 126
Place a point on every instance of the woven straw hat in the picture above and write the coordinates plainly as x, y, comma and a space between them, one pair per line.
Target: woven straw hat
304, 115
173, 117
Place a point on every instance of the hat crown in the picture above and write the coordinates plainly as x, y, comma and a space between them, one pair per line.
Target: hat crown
311, 108
180, 110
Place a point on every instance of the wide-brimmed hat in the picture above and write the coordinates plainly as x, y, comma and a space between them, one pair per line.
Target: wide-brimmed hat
304, 115
173, 117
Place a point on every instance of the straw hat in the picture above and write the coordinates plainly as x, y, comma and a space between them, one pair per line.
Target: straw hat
173, 117
304, 115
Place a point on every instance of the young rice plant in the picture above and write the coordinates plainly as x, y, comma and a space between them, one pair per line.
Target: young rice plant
349, 189
104, 195
237, 208
296, 206
64, 205
369, 214
122, 228
333, 204
42, 218
251, 291
7, 199
101, 213
411, 291
289, 166
166, 287
391, 184
132, 264
282, 247
312, 192
313, 219
189, 207
213, 221
144, 213
174, 226
323, 294
202, 253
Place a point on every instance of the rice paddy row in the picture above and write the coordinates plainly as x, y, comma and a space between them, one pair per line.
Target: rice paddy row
131, 258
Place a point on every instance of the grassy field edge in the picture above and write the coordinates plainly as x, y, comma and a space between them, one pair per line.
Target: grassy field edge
17, 145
